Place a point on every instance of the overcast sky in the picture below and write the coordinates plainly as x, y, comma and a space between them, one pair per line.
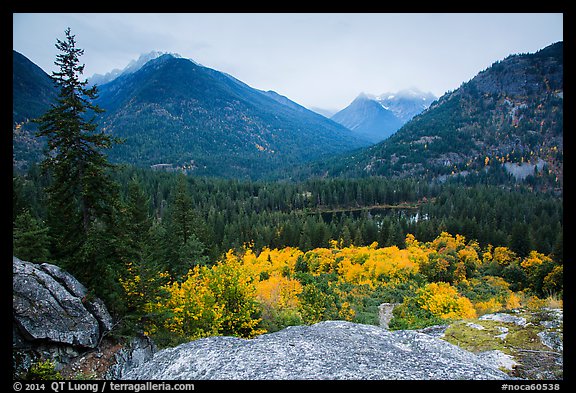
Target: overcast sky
318, 60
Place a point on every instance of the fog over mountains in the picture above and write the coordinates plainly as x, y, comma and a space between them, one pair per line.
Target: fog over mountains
133, 66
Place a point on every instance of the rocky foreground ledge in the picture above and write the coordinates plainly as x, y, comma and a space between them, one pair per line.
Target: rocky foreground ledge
326, 350
53, 318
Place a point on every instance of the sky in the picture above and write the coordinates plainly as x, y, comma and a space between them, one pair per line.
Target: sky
319, 60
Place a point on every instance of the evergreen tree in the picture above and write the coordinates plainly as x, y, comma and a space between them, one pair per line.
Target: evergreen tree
558, 249
82, 197
345, 236
182, 212
184, 229
137, 220
520, 239
30, 238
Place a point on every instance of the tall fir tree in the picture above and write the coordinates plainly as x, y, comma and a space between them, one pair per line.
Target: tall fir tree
30, 238
136, 221
82, 197
185, 230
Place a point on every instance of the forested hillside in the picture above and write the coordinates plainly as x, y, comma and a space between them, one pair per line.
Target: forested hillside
188, 117
33, 92
181, 256
378, 117
177, 115
230, 213
509, 116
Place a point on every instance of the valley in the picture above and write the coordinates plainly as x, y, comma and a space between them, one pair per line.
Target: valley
198, 206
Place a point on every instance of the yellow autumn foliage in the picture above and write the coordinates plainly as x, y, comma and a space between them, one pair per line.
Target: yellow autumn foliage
367, 265
504, 256
193, 307
279, 292
267, 261
488, 306
443, 300
534, 259
249, 290
322, 260
211, 301
513, 301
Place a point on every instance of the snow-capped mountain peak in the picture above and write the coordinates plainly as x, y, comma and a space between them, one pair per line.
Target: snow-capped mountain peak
406, 103
133, 66
378, 117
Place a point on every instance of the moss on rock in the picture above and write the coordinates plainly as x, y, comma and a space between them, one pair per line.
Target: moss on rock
521, 341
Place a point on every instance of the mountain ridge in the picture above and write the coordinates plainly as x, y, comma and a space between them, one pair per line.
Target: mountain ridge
406, 103
133, 66
196, 108
33, 89
368, 118
32, 93
510, 113
175, 112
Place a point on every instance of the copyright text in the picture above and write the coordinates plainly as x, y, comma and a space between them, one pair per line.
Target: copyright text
100, 386
531, 386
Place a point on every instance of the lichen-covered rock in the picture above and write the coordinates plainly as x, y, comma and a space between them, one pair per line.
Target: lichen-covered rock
499, 358
437, 331
503, 317
53, 318
94, 305
385, 314
326, 350
552, 340
50, 307
136, 353
111, 360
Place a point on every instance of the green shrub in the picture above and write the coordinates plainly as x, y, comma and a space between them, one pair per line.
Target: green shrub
43, 370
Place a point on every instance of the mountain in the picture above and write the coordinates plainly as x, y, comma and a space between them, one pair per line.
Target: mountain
133, 66
32, 93
378, 117
32, 88
324, 111
508, 117
406, 103
175, 113
366, 117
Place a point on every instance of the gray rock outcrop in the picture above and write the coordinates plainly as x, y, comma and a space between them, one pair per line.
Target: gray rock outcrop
55, 318
138, 351
385, 314
326, 350
503, 317
50, 305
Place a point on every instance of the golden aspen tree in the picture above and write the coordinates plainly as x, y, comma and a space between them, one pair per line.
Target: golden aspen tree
443, 300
